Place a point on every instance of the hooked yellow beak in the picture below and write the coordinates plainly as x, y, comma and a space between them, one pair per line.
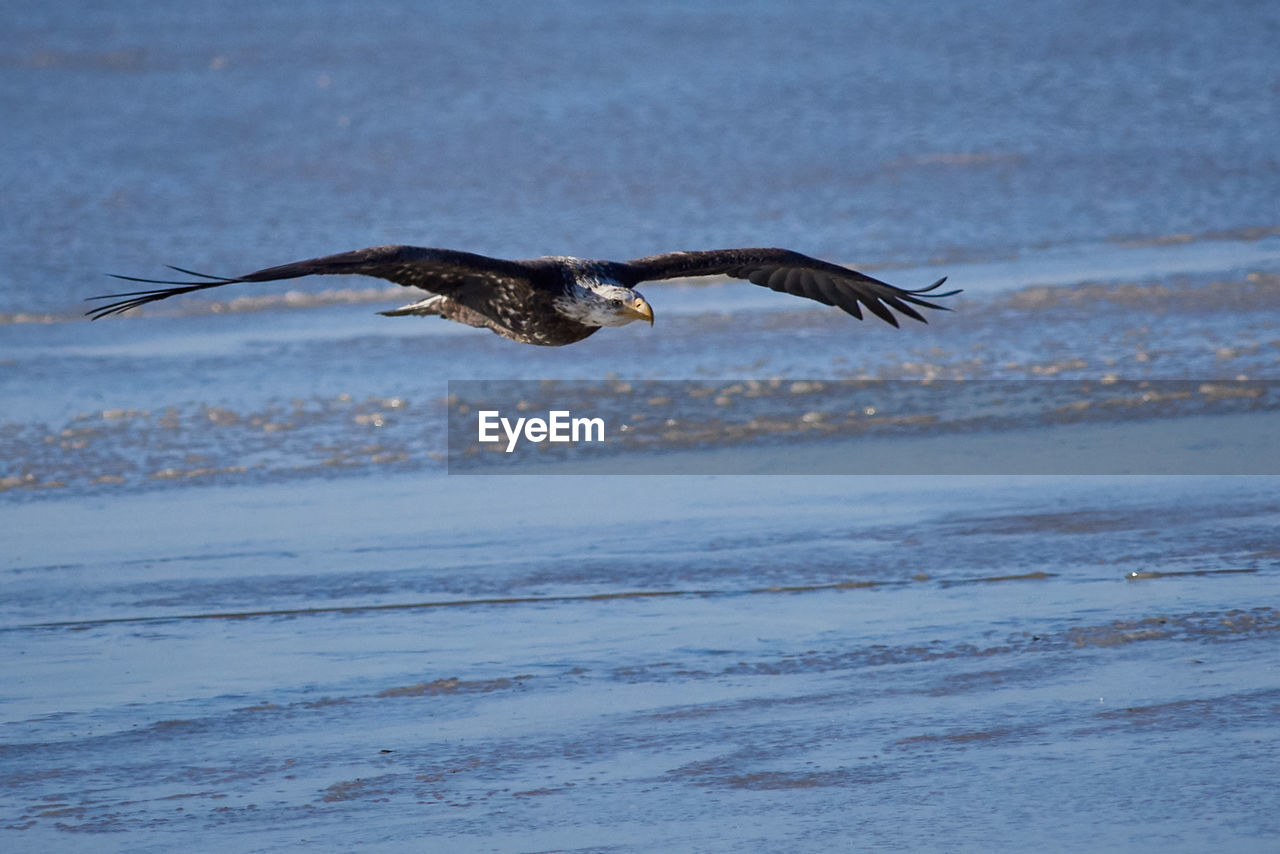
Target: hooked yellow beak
639, 309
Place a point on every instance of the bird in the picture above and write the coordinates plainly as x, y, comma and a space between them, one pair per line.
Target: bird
557, 300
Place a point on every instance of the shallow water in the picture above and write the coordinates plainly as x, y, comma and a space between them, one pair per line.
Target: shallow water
936, 660
245, 605
245, 135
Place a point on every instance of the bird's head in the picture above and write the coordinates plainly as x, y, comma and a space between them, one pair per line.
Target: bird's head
601, 303
623, 304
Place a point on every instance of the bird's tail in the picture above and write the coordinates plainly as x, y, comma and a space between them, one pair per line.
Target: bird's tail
422, 308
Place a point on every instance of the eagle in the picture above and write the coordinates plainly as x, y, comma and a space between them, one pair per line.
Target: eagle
557, 300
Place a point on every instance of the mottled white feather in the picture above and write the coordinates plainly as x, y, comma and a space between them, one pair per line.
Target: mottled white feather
596, 300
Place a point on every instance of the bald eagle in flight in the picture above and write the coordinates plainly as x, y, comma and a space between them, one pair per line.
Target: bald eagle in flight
558, 300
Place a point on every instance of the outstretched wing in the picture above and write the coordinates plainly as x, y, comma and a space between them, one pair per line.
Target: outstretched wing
792, 273
440, 271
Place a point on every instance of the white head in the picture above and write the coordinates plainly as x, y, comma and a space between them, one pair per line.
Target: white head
596, 301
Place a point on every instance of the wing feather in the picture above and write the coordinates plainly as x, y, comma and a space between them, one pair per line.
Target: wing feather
793, 273
439, 271
827, 287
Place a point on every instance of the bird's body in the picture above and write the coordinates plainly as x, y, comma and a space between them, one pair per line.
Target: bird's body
558, 300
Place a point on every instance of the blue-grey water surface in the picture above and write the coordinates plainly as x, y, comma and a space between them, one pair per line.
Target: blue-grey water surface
244, 607
244, 134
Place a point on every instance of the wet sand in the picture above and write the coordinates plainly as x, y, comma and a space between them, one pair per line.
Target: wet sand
937, 663
257, 609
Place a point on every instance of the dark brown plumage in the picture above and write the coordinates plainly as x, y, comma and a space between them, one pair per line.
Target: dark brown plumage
558, 300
